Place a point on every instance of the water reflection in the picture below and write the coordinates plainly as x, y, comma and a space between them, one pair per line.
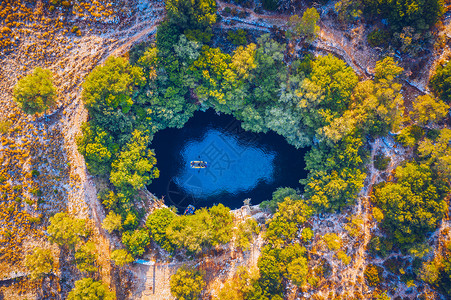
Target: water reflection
233, 167
241, 164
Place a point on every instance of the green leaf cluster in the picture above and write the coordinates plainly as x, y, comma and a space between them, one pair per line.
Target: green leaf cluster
65, 230
35, 92
187, 284
413, 205
39, 263
88, 289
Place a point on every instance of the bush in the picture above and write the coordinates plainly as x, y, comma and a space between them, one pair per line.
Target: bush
440, 82
88, 289
333, 241
378, 38
187, 284
381, 162
5, 126
345, 259
35, 92
237, 37
39, 263
373, 274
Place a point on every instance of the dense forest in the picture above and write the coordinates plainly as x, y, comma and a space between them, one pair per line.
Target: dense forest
270, 83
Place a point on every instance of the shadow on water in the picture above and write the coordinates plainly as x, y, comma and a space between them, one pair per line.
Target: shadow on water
241, 164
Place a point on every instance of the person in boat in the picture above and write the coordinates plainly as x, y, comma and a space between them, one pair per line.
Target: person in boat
189, 210
198, 164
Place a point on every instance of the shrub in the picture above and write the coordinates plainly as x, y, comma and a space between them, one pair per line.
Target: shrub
237, 37
40, 262
35, 92
187, 284
373, 274
333, 241
87, 288
381, 162
378, 38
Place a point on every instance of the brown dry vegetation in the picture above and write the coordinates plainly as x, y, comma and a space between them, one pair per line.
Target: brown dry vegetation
69, 39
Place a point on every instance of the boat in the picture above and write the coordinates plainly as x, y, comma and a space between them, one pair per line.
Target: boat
198, 164
189, 210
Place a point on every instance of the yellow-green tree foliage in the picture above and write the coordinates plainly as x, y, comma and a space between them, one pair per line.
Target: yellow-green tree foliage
135, 166
65, 230
35, 92
40, 262
88, 289
187, 284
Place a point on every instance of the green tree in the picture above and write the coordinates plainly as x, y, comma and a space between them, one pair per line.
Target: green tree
88, 289
107, 94
305, 27
190, 232
112, 222
325, 95
373, 274
136, 241
35, 92
86, 257
377, 106
204, 229
187, 284
418, 14
121, 257
244, 234
426, 109
97, 146
270, 275
40, 262
187, 14
135, 166
220, 224
65, 230
440, 82
335, 190
438, 153
237, 37
284, 225
412, 206
332, 240
243, 285
157, 222
277, 197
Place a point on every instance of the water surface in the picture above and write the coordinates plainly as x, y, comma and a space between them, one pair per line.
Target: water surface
241, 164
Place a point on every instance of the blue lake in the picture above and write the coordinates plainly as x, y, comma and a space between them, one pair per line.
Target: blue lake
241, 164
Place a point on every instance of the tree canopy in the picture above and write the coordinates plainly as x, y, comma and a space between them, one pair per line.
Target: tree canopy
187, 284
414, 205
441, 82
35, 92
40, 262
135, 166
88, 289
65, 230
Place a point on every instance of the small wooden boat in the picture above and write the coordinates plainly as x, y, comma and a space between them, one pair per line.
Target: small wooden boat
198, 164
